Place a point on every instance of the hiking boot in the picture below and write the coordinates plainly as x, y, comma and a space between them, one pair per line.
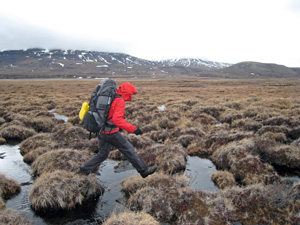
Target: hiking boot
150, 170
82, 172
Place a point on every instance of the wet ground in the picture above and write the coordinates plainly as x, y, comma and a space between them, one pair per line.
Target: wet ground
199, 170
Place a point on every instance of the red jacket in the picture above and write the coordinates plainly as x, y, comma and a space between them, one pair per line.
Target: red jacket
117, 109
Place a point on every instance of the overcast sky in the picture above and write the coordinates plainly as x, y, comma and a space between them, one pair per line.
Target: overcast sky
229, 31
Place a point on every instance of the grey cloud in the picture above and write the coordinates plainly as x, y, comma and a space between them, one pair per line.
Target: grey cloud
15, 34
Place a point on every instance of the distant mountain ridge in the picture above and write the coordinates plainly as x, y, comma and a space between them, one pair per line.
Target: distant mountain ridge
57, 63
68, 63
258, 70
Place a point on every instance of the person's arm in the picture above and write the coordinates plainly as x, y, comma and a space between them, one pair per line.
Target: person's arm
118, 117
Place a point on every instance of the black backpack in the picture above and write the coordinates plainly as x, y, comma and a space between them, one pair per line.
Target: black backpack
102, 97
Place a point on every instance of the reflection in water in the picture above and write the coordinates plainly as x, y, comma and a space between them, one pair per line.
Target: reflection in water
199, 170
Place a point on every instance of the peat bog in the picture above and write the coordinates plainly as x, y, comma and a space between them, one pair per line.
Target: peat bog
248, 129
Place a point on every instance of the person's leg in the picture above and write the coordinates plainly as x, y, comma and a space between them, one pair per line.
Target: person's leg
92, 164
117, 140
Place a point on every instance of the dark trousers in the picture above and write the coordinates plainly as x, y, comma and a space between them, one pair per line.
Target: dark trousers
118, 141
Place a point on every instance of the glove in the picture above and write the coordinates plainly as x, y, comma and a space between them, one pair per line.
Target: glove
137, 131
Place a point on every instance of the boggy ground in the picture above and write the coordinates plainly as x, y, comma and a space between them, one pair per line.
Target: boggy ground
248, 128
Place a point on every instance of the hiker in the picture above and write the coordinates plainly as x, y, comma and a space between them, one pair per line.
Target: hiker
111, 136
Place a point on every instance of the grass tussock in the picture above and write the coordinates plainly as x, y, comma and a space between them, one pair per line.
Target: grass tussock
168, 158
240, 158
9, 216
68, 134
157, 180
15, 132
62, 190
223, 179
138, 218
8, 186
60, 159
139, 141
278, 154
148, 194
36, 141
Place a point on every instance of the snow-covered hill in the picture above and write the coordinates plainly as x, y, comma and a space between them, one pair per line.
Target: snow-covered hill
57, 62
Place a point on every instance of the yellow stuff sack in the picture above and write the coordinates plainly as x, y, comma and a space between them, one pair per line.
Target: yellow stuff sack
84, 109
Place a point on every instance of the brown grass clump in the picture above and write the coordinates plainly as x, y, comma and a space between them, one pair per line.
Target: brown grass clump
223, 179
241, 160
139, 218
9, 216
212, 110
296, 142
159, 136
169, 158
67, 134
260, 204
185, 136
157, 180
38, 122
282, 120
202, 119
278, 154
166, 123
41, 124
230, 115
285, 155
224, 136
247, 124
31, 156
36, 141
273, 129
16, 132
116, 155
278, 137
62, 159
149, 194
8, 186
203, 208
254, 204
62, 190
150, 200
215, 139
139, 141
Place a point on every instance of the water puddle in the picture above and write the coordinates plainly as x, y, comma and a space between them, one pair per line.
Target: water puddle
59, 116
200, 170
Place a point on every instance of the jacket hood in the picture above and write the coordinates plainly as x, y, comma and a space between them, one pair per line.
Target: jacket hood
126, 90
